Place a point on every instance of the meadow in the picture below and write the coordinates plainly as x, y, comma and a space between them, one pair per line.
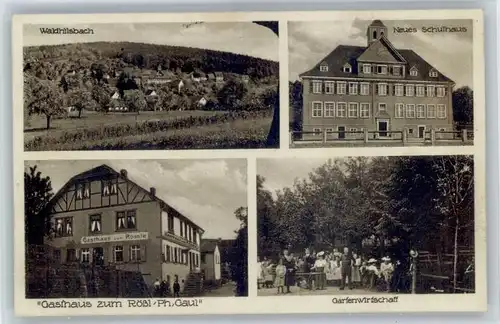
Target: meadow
151, 130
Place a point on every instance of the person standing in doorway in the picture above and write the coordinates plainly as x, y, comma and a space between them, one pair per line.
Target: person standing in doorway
346, 269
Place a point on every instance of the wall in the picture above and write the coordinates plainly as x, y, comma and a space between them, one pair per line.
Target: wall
208, 265
217, 270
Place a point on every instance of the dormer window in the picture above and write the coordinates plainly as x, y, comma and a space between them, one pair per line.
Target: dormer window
433, 73
347, 68
381, 69
108, 188
323, 67
413, 71
82, 191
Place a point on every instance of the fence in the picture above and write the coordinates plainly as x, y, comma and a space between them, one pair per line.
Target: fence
382, 138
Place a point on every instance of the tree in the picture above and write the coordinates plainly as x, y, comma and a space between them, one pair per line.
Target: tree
45, 98
102, 97
239, 255
37, 194
241, 214
296, 104
134, 99
80, 99
463, 106
231, 94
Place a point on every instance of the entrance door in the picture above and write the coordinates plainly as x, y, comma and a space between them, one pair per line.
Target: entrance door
341, 130
421, 131
98, 256
383, 127
191, 261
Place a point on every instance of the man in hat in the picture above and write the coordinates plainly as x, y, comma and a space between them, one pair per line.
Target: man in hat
345, 269
309, 260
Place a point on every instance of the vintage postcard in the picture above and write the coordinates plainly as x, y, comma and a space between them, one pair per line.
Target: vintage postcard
361, 82
150, 86
198, 198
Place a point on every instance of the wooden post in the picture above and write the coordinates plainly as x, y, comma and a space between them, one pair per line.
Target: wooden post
405, 136
433, 137
365, 135
464, 135
325, 134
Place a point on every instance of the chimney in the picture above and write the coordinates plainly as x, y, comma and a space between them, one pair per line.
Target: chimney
123, 172
152, 190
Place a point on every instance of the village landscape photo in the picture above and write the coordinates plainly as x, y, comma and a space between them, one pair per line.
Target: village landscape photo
151, 86
132, 228
381, 83
366, 225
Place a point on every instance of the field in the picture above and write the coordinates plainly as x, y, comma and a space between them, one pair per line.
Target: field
151, 130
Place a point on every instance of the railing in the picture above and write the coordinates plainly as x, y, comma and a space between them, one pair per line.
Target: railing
430, 137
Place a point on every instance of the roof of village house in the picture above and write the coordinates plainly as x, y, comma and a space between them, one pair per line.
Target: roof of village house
208, 245
377, 23
343, 54
104, 171
150, 92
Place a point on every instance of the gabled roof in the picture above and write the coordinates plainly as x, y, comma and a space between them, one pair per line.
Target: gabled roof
349, 54
208, 245
106, 172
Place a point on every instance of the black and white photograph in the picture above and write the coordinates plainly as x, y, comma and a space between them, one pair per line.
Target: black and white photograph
366, 225
136, 229
358, 82
151, 86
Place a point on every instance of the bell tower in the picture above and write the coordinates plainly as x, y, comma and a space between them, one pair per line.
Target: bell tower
375, 31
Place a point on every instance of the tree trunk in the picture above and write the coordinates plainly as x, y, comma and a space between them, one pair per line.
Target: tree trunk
48, 121
455, 256
80, 113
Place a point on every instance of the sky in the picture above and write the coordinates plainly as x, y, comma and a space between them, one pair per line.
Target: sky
206, 191
281, 173
238, 37
450, 53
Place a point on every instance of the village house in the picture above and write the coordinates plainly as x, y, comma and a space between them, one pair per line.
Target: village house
211, 260
115, 95
211, 76
102, 217
219, 77
376, 88
200, 101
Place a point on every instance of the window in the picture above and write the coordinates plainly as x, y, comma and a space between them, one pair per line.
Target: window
382, 89
382, 107
118, 253
441, 111
420, 111
410, 111
441, 91
317, 86
353, 88
364, 89
329, 130
317, 109
168, 254
353, 110
317, 131
430, 91
367, 69
431, 111
347, 68
126, 220
170, 223
82, 191
399, 90
420, 91
135, 253
410, 90
433, 73
95, 223
323, 67
182, 229
329, 109
381, 69
396, 70
85, 255
353, 130
329, 87
410, 131
413, 71
341, 109
190, 235
70, 255
64, 226
108, 188
341, 87
400, 110
364, 110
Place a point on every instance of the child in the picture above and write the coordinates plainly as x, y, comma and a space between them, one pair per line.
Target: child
177, 287
280, 276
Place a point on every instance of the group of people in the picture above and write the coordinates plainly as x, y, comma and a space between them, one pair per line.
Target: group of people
162, 288
316, 271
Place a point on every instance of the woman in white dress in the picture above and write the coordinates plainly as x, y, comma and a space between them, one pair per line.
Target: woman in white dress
337, 273
355, 272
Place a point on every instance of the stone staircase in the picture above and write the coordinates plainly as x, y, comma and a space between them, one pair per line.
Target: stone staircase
193, 285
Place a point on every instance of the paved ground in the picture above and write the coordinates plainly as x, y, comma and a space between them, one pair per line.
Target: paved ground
226, 290
296, 291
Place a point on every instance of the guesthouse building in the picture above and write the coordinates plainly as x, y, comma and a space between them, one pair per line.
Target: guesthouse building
101, 217
375, 88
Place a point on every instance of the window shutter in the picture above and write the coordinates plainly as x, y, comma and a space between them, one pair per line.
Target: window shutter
323, 87
376, 88
310, 86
